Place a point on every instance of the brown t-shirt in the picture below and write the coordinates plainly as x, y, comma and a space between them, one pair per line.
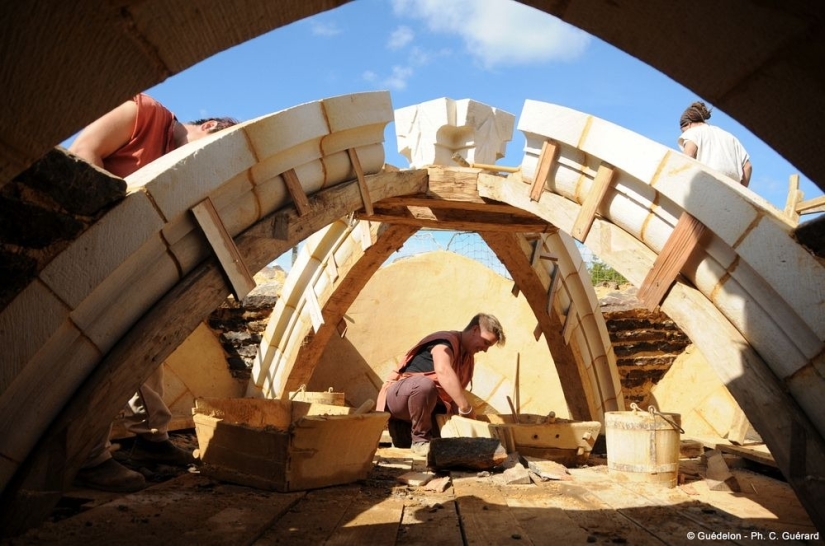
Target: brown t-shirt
152, 137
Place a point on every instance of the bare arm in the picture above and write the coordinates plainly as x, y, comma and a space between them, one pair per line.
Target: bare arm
105, 135
691, 149
442, 356
747, 169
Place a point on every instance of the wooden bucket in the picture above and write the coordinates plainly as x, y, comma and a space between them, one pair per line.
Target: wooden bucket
643, 446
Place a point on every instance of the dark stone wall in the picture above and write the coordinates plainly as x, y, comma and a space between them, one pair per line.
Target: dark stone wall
645, 343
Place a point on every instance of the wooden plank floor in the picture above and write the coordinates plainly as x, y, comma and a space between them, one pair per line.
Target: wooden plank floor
594, 506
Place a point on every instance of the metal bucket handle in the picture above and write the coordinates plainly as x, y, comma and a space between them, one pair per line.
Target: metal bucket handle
654, 411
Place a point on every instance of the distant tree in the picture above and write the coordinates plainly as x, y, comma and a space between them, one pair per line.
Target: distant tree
600, 272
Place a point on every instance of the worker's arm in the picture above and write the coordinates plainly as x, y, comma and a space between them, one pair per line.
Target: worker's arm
106, 135
690, 149
447, 378
747, 169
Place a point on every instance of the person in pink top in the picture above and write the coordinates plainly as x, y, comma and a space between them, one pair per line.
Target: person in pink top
122, 141
432, 379
713, 146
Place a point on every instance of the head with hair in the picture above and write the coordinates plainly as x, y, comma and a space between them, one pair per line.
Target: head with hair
488, 332
695, 113
220, 123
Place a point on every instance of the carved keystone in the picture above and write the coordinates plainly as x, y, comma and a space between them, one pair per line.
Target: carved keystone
431, 132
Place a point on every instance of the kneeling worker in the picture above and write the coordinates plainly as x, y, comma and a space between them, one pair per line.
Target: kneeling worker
431, 379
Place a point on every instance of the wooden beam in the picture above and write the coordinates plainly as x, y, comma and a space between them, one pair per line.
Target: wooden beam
460, 220
437, 202
514, 252
678, 248
61, 450
224, 247
314, 308
551, 290
296, 191
353, 279
581, 227
546, 159
359, 172
817, 204
569, 322
454, 184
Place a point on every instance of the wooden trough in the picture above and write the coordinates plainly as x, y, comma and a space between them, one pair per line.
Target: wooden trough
563, 441
283, 445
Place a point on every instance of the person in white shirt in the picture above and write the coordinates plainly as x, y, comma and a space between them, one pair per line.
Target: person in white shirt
713, 146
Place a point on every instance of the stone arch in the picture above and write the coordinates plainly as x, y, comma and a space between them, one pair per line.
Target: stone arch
124, 294
52, 44
337, 262
755, 307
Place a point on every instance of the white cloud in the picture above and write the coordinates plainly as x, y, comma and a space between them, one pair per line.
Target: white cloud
399, 77
499, 32
400, 37
369, 76
324, 28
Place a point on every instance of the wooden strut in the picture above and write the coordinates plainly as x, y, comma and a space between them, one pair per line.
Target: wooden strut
546, 159
296, 191
224, 247
569, 322
678, 248
584, 221
362, 184
458, 158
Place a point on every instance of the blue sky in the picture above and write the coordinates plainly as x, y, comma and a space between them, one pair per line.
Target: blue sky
498, 52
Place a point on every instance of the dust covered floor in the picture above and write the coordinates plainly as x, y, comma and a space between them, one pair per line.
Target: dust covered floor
593, 506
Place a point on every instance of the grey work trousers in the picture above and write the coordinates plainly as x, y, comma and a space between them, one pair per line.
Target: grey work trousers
146, 414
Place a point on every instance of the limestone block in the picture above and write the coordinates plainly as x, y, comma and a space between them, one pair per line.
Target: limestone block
275, 133
93, 256
568, 125
275, 165
125, 295
777, 331
354, 138
631, 152
634, 153
358, 109
40, 390
713, 199
788, 267
621, 251
184, 177
42, 313
642, 195
272, 194
431, 132
186, 241
311, 175
237, 204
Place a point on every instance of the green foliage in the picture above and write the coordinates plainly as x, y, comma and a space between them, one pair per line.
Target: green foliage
600, 272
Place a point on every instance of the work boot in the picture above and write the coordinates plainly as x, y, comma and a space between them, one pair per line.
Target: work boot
420, 448
400, 432
160, 452
111, 476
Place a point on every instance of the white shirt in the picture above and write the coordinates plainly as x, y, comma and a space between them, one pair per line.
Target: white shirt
717, 149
